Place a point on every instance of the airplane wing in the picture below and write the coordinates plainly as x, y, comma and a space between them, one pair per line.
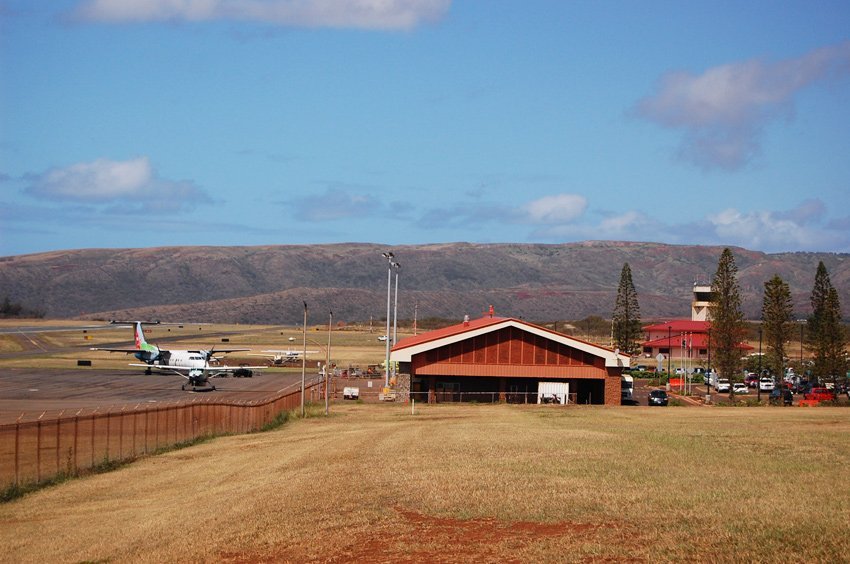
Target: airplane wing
214, 350
128, 351
188, 368
288, 352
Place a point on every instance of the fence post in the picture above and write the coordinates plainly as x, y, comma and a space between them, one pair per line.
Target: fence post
58, 464
146, 412
76, 439
92, 437
121, 434
17, 451
108, 430
38, 452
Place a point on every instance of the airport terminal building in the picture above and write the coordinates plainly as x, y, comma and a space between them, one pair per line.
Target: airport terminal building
497, 359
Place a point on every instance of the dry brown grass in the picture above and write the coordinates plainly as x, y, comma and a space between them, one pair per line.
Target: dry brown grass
61, 349
461, 483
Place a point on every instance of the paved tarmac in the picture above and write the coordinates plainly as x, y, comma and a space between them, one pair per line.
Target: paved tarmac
27, 394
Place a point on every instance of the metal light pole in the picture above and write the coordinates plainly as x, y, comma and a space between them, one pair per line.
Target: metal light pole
304, 361
328, 363
397, 267
759, 382
708, 369
669, 350
389, 256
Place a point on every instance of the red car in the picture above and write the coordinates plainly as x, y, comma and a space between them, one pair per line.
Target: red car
820, 394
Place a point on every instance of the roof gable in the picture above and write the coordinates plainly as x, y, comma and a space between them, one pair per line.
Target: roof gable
407, 348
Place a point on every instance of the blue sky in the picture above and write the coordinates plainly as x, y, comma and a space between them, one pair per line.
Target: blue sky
140, 123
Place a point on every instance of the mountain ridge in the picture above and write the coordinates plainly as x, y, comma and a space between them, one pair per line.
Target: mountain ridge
267, 284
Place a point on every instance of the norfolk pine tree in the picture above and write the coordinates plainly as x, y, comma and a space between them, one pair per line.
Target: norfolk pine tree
727, 320
826, 335
820, 291
626, 316
777, 318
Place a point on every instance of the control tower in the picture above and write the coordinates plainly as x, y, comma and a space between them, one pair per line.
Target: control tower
701, 302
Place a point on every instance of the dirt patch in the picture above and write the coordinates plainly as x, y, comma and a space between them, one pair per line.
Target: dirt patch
416, 537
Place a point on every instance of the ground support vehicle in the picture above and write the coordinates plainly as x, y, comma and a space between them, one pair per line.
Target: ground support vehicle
627, 386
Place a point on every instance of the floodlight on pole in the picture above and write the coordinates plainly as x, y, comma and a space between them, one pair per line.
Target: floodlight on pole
389, 256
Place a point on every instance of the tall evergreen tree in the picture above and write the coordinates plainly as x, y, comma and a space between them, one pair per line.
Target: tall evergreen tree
626, 325
777, 319
826, 335
820, 291
727, 320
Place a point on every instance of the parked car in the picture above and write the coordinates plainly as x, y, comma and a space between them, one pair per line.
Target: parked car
766, 384
722, 386
820, 394
658, 397
680, 371
740, 388
752, 380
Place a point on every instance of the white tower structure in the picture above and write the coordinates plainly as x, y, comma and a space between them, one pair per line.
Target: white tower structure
701, 302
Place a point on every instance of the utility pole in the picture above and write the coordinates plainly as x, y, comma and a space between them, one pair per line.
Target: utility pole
395, 306
389, 256
416, 311
304, 361
328, 364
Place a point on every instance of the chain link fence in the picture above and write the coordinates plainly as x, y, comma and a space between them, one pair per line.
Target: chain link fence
36, 451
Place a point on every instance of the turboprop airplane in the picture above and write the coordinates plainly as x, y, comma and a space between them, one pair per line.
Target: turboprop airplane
194, 365
283, 356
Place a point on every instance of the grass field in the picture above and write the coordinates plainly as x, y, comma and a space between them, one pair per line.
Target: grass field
461, 483
61, 349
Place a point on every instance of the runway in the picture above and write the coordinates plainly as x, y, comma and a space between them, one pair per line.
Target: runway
28, 394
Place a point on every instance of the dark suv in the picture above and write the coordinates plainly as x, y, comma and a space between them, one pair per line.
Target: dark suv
658, 397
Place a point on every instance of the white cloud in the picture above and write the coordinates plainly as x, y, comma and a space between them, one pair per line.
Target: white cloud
336, 203
723, 110
559, 208
776, 231
128, 183
366, 14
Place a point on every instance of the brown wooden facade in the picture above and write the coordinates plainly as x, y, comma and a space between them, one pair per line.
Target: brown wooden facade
507, 363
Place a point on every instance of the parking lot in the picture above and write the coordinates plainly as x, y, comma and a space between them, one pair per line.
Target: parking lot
698, 391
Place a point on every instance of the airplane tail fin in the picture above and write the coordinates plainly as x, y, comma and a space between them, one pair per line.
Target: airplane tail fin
140, 336
141, 343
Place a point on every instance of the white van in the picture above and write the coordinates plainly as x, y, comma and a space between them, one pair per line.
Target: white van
722, 386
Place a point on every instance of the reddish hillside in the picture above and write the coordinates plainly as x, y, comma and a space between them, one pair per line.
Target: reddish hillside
268, 284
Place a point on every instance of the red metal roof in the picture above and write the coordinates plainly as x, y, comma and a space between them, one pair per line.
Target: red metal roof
448, 331
694, 341
472, 325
